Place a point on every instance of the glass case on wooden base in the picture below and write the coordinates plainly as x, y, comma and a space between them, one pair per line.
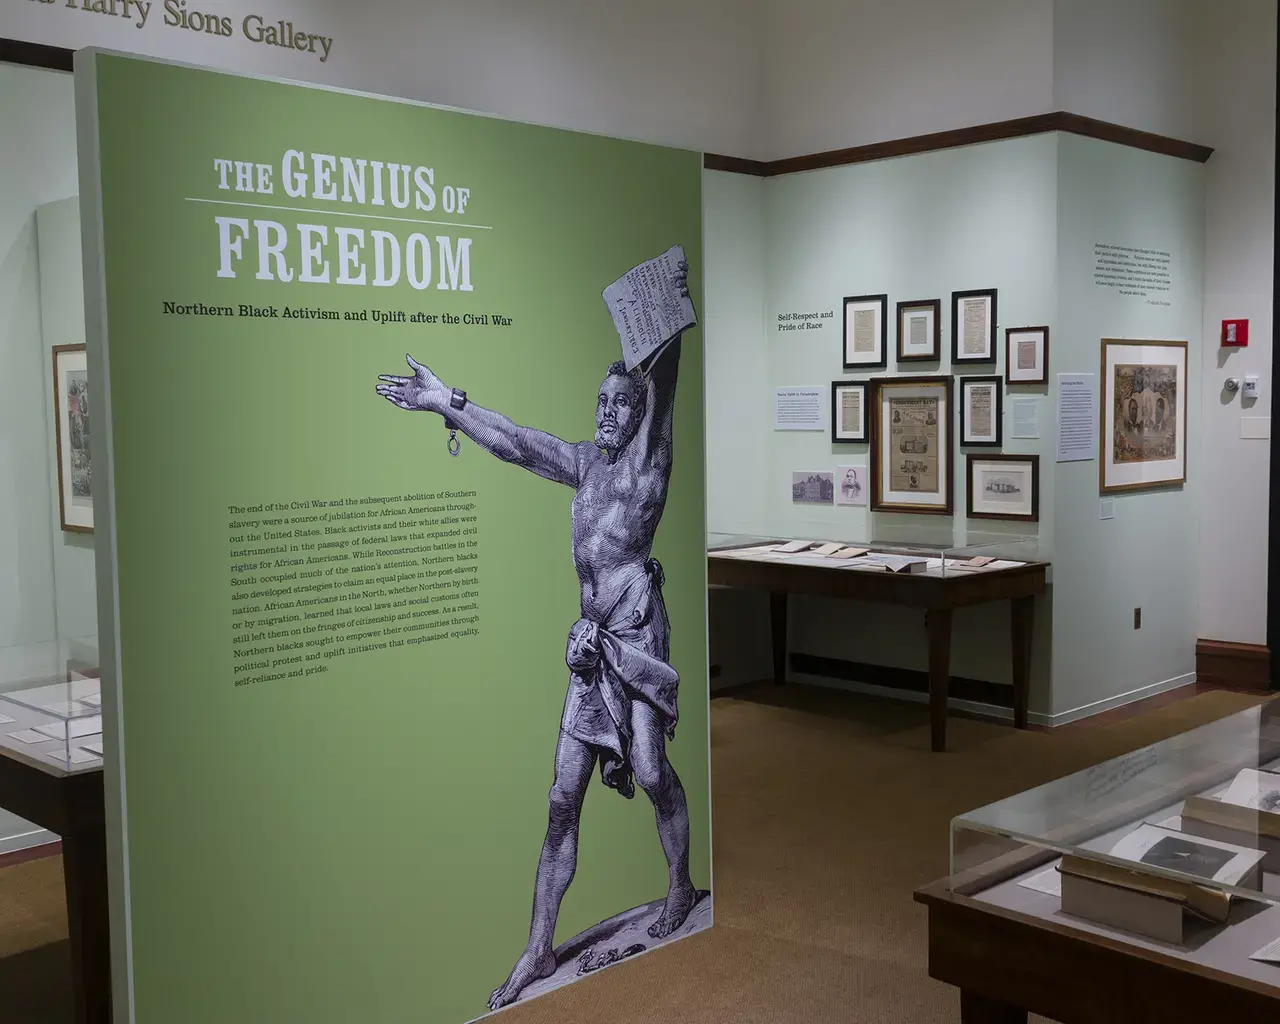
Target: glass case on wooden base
51, 705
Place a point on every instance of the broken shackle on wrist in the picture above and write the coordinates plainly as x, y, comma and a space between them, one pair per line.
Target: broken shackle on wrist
457, 400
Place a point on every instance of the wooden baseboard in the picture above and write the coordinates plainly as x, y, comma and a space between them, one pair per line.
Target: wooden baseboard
1233, 666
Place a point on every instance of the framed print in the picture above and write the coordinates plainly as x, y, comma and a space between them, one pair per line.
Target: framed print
981, 411
851, 485
865, 331
1003, 487
1026, 355
919, 330
848, 411
1144, 415
973, 326
71, 420
911, 445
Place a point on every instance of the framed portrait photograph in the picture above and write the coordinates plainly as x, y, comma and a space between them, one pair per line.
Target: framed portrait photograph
911, 445
866, 330
848, 411
1003, 487
71, 420
973, 326
1144, 415
852, 485
919, 330
981, 411
1026, 355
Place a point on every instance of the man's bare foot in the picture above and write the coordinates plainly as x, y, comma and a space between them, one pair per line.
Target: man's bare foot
680, 900
533, 966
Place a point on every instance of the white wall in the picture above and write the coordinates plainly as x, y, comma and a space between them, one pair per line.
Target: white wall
37, 165
1146, 556
841, 74
1236, 80
677, 72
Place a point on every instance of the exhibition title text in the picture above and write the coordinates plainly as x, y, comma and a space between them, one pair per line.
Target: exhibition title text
395, 194
177, 15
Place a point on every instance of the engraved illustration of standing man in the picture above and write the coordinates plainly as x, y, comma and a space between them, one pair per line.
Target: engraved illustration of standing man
621, 704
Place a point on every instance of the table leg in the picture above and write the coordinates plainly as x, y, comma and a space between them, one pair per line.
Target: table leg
1022, 622
975, 1009
778, 630
84, 866
938, 621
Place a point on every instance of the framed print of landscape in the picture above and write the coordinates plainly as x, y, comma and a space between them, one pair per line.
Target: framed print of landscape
71, 423
1144, 415
1003, 487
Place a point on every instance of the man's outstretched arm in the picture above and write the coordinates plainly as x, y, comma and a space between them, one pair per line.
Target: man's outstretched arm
535, 450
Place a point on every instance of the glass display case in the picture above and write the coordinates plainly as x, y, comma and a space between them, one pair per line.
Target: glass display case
980, 552
1175, 846
51, 705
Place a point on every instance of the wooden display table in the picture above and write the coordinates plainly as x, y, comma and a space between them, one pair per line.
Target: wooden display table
939, 595
1007, 964
71, 805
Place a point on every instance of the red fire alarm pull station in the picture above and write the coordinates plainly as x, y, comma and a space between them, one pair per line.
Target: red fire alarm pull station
1235, 333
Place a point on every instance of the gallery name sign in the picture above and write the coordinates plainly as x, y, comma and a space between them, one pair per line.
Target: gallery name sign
392, 194
177, 15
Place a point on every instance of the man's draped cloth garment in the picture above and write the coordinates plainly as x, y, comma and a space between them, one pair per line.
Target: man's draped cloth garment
614, 663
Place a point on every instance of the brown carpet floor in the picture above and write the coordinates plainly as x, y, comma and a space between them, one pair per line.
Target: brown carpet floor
829, 811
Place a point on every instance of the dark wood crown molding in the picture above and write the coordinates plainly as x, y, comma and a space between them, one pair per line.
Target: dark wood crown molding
36, 55
1039, 124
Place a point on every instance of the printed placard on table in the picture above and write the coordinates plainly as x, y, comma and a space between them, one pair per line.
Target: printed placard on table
1143, 430
865, 332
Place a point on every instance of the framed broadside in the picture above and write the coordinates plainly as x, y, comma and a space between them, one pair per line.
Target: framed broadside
848, 411
919, 330
1144, 415
911, 445
973, 326
1026, 351
866, 331
1003, 487
71, 421
981, 411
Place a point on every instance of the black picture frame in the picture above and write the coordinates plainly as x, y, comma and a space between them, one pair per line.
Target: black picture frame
974, 458
882, 356
997, 382
1009, 360
837, 437
991, 355
935, 306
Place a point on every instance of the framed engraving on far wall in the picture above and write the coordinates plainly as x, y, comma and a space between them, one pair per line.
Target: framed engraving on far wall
71, 426
866, 331
1003, 487
973, 326
911, 445
919, 330
1026, 355
981, 412
848, 411
1144, 415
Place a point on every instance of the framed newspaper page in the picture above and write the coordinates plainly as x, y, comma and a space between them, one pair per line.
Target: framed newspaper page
866, 332
848, 411
911, 445
973, 326
1003, 487
1144, 415
981, 412
1026, 355
919, 330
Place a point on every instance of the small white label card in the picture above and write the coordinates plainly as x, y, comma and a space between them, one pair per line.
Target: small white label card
73, 729
94, 748
1048, 881
29, 736
793, 547
1269, 954
827, 549
6, 720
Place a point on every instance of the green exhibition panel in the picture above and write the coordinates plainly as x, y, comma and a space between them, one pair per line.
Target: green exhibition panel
396, 650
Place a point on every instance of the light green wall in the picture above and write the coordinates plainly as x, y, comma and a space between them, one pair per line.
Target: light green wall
1146, 556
